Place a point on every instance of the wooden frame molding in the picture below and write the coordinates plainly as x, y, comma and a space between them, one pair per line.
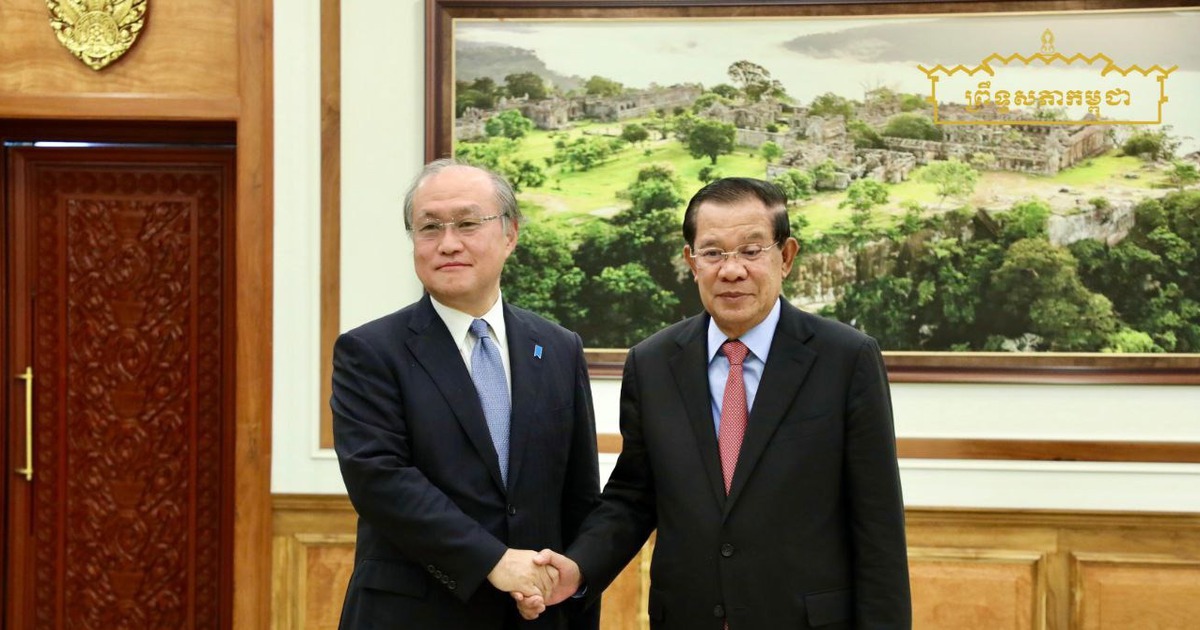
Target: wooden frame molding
1019, 450
331, 200
254, 265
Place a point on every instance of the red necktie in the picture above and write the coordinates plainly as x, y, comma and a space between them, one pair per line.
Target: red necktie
733, 410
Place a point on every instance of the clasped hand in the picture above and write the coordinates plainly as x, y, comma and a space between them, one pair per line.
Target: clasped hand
535, 579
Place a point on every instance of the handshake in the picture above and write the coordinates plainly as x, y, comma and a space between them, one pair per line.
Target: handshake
535, 579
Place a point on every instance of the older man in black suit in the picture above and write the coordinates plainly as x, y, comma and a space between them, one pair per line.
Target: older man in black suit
464, 429
758, 440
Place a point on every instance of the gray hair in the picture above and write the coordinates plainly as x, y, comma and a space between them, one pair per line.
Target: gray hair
505, 197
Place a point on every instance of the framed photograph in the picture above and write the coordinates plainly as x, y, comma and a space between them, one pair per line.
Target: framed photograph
996, 191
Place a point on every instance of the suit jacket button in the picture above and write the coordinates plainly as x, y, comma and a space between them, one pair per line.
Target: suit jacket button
727, 550
431, 569
451, 584
718, 611
512, 510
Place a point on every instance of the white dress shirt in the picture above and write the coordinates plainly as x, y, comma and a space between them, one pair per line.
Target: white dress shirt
459, 324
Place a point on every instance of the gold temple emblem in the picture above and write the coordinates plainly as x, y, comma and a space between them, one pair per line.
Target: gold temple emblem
97, 31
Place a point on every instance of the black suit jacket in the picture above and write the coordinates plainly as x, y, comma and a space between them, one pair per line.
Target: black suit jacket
423, 475
812, 532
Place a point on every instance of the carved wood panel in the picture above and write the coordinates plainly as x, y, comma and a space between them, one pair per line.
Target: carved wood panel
131, 417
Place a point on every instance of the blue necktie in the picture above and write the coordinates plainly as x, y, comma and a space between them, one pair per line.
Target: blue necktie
488, 373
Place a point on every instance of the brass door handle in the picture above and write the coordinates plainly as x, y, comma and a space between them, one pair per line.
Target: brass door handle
27, 376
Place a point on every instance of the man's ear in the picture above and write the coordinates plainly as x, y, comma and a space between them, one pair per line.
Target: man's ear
790, 248
691, 262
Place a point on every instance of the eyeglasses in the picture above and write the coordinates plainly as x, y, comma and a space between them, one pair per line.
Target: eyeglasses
466, 226
715, 256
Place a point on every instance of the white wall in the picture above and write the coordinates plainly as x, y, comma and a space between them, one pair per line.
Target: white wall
382, 140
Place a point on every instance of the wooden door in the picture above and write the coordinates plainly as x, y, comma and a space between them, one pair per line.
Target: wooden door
119, 301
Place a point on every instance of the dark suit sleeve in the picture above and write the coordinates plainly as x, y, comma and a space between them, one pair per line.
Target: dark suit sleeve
616, 531
581, 492
387, 490
881, 584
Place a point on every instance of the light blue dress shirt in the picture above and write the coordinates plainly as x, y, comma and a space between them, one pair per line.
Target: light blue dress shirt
758, 340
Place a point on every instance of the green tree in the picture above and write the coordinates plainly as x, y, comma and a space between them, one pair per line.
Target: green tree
711, 138
910, 125
634, 133
796, 184
508, 124
541, 275
480, 94
770, 151
724, 90
1181, 175
707, 174
864, 136
864, 194
1151, 145
829, 105
523, 84
634, 306
1039, 288
755, 81
950, 178
600, 86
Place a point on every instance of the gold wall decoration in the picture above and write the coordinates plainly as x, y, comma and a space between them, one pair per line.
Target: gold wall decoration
98, 32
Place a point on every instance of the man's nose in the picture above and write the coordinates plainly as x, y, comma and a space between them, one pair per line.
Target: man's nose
449, 241
732, 268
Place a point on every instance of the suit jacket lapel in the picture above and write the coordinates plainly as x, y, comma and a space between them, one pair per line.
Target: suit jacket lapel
787, 366
438, 354
526, 386
690, 369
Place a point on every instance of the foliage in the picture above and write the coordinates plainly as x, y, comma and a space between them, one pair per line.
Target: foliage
480, 94
770, 151
508, 124
864, 194
1151, 145
864, 136
585, 152
525, 84
1153, 275
796, 184
634, 133
725, 90
829, 105
754, 80
1039, 288
708, 173
600, 86
529, 283
951, 178
710, 138
1181, 175
914, 126
499, 155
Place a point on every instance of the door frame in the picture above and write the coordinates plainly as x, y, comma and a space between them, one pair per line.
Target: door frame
252, 114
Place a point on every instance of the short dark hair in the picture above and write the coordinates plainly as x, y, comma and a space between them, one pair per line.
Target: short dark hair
729, 190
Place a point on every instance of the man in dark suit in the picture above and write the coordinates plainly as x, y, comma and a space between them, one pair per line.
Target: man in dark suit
758, 440
464, 429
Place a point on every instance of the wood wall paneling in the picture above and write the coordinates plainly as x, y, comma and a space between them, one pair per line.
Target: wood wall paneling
1117, 591
971, 569
186, 49
957, 588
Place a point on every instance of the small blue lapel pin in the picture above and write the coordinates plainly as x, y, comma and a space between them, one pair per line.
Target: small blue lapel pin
537, 351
